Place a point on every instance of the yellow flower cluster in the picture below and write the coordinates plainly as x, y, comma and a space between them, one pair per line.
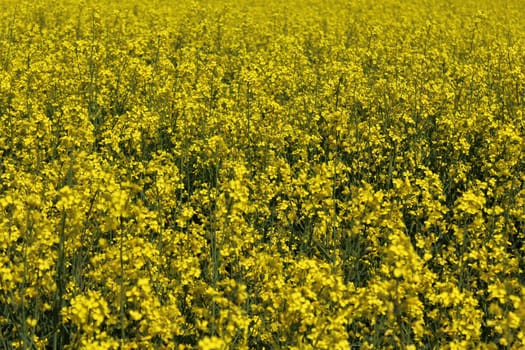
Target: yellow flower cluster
262, 174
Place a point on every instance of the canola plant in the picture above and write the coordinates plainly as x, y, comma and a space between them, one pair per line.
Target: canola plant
311, 174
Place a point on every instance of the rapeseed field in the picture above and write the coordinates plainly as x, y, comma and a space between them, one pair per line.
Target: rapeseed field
310, 174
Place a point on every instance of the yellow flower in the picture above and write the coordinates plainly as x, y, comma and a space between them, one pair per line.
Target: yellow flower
211, 343
135, 315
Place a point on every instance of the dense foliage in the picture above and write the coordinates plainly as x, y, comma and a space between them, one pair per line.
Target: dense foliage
262, 174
